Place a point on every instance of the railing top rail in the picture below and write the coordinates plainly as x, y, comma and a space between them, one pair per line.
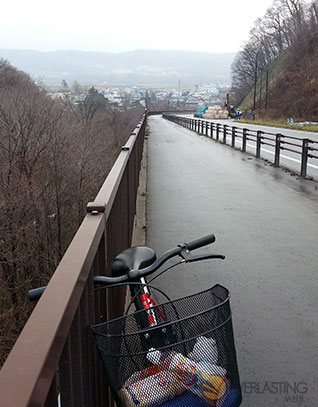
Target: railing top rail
108, 190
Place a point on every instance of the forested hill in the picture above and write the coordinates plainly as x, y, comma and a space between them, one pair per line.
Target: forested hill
281, 56
54, 157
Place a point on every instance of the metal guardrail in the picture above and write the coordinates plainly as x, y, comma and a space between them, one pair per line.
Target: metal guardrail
54, 361
304, 147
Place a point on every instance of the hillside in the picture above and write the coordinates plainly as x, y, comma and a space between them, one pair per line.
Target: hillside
54, 156
293, 85
135, 67
280, 57
275, 70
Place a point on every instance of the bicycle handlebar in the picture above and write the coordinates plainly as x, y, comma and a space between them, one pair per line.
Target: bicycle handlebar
35, 294
202, 241
134, 275
181, 249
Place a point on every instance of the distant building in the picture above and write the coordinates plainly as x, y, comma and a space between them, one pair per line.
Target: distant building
136, 96
192, 101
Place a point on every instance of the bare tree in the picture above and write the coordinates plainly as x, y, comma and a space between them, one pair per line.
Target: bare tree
54, 156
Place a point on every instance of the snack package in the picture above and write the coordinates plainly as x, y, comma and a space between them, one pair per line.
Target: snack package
152, 391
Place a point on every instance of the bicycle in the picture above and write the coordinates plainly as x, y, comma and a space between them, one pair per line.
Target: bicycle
179, 353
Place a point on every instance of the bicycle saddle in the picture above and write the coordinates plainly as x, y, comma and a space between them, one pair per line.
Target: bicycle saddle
134, 258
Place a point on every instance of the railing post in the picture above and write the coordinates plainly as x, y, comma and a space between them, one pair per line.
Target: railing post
304, 157
206, 128
244, 140
217, 131
277, 149
258, 144
224, 133
233, 136
211, 131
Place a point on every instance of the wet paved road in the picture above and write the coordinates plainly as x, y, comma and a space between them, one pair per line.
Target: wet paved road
287, 158
266, 223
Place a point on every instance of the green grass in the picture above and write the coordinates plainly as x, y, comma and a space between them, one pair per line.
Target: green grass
313, 129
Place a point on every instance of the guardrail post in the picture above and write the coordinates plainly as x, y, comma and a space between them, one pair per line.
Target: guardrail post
304, 157
224, 133
206, 128
244, 140
233, 136
217, 131
258, 144
211, 131
277, 149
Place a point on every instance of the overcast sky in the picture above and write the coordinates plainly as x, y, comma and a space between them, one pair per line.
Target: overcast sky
125, 25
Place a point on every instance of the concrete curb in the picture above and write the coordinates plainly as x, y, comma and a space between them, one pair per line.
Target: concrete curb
140, 224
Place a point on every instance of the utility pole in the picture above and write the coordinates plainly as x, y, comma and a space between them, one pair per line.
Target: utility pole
260, 93
255, 81
266, 94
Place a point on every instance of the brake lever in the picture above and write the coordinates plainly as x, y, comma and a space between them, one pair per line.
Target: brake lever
188, 258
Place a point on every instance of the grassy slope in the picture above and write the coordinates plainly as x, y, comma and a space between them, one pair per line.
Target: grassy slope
275, 70
281, 124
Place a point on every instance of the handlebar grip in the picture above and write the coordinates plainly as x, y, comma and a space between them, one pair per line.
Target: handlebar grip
110, 280
202, 241
36, 293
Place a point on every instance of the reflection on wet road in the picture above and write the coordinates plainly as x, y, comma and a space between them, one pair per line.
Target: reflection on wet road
266, 223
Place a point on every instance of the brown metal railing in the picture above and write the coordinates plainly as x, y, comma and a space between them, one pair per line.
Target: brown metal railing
54, 361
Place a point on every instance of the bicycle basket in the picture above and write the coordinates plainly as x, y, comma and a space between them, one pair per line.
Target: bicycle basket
187, 359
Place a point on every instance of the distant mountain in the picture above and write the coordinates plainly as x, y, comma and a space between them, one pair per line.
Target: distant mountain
128, 68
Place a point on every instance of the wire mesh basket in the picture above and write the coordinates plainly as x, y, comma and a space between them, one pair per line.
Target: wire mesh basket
187, 358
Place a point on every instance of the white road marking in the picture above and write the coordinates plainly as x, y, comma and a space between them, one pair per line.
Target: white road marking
282, 156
